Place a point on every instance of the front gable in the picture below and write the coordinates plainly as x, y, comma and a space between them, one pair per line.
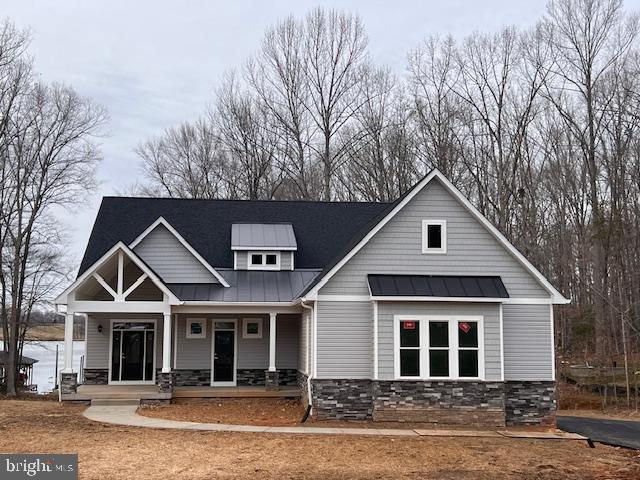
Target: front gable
171, 257
471, 249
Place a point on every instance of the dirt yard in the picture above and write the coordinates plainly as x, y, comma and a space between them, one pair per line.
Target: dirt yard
272, 412
111, 452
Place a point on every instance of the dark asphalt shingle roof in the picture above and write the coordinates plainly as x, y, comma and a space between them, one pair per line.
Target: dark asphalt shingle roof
437, 286
248, 286
322, 229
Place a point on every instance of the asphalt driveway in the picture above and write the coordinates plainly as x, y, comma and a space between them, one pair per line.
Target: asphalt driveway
622, 433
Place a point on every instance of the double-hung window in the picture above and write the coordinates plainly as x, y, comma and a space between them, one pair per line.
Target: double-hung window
438, 347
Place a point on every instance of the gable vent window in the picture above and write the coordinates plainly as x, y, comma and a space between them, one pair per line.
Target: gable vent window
434, 236
264, 261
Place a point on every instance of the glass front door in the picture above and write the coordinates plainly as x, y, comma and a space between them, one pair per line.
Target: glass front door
224, 353
132, 351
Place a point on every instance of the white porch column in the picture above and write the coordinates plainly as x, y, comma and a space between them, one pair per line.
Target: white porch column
272, 342
68, 343
166, 343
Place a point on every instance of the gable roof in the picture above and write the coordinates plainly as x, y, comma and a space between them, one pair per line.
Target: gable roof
359, 241
95, 266
183, 242
322, 229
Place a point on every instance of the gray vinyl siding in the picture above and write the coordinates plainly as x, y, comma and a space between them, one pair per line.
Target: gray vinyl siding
193, 353
285, 260
491, 321
397, 248
302, 341
97, 344
528, 342
171, 260
242, 260
344, 339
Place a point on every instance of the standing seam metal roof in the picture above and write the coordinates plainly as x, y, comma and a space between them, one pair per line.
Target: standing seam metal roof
262, 235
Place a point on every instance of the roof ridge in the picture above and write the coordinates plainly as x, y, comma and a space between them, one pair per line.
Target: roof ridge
337, 202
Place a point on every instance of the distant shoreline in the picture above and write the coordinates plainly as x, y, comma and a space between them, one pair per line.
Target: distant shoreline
48, 333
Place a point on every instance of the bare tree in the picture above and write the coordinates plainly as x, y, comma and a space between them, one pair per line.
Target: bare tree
186, 162
587, 38
334, 55
48, 160
249, 142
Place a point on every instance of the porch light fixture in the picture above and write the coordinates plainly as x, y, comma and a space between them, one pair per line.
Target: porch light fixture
99, 328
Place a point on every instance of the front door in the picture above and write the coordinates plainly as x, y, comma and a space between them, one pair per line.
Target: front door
132, 352
224, 353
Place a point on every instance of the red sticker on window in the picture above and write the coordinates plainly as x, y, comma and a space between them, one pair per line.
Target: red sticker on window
409, 325
464, 326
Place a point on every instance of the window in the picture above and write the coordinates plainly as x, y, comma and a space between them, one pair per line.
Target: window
264, 261
196, 328
252, 328
468, 349
409, 349
434, 236
437, 347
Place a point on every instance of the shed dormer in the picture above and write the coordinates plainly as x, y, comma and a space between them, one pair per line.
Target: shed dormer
263, 246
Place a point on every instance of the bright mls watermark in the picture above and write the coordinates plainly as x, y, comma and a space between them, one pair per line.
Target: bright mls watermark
16, 466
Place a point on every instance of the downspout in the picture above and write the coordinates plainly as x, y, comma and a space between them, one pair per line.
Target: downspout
310, 356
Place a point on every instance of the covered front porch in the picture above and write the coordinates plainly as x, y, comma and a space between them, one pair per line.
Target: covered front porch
140, 335
209, 354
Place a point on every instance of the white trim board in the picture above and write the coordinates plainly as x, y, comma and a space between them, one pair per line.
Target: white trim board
63, 300
180, 238
556, 296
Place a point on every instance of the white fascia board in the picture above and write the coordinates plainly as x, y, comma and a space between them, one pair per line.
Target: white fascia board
557, 297
555, 294
270, 249
180, 238
62, 298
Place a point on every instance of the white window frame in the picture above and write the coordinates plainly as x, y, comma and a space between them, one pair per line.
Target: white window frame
425, 236
246, 322
263, 266
453, 320
203, 334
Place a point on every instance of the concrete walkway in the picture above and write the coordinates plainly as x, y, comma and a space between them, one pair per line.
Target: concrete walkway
127, 415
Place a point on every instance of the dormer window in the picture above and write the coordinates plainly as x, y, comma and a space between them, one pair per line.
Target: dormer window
264, 261
434, 236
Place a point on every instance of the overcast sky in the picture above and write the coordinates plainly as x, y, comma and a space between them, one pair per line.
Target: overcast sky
153, 64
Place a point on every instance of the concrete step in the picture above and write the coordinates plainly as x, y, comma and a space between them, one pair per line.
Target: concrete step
114, 401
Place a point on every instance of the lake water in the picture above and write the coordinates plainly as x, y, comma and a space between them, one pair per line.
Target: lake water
44, 371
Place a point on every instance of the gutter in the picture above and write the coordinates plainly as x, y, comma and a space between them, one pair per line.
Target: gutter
310, 353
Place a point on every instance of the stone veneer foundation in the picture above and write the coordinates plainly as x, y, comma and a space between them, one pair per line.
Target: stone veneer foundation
530, 403
96, 376
447, 402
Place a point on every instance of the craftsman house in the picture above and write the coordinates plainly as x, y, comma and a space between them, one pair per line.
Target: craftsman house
416, 310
